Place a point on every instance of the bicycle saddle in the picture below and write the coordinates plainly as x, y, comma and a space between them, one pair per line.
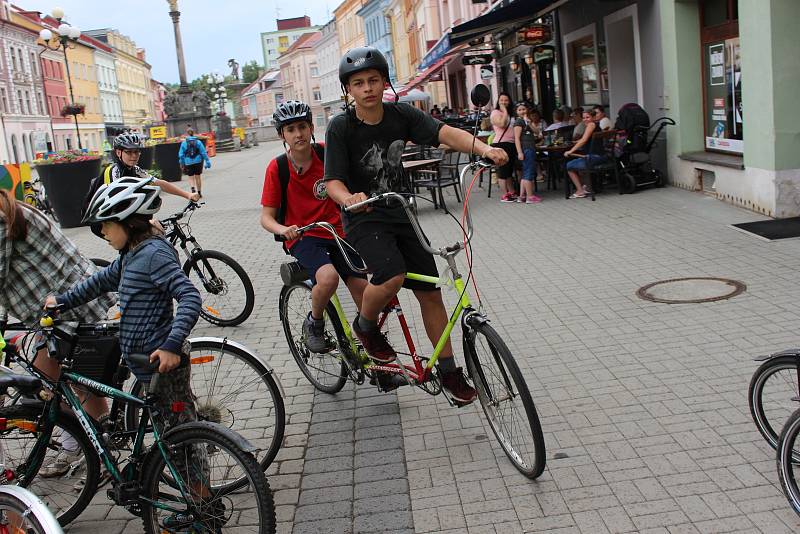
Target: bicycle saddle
24, 383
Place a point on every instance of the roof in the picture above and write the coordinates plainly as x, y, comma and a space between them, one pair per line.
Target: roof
271, 77
294, 23
306, 40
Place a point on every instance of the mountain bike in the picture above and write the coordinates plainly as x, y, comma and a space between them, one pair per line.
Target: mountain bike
502, 391
23, 512
34, 195
232, 386
788, 460
188, 480
227, 292
774, 391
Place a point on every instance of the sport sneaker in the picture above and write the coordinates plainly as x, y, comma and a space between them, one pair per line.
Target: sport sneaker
533, 200
508, 197
63, 463
314, 336
375, 343
521, 200
456, 384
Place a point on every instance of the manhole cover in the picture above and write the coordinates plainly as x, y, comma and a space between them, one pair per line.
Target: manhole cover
691, 290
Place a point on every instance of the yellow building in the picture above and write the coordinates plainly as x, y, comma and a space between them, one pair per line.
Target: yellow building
396, 16
133, 78
349, 25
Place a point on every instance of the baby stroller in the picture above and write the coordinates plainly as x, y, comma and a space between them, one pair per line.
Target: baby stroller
636, 139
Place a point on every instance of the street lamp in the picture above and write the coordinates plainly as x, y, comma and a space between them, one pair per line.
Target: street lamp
218, 93
65, 37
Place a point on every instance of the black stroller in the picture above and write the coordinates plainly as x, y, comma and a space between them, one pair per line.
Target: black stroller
637, 137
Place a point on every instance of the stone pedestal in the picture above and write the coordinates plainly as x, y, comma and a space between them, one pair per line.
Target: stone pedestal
234, 91
222, 132
187, 109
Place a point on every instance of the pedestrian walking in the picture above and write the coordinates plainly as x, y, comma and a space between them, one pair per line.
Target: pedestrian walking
191, 156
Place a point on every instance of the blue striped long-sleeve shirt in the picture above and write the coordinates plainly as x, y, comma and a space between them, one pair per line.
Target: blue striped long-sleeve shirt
148, 278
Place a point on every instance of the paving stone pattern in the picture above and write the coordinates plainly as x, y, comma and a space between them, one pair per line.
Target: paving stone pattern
643, 405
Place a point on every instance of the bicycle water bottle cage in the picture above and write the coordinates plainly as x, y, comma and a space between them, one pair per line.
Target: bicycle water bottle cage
293, 273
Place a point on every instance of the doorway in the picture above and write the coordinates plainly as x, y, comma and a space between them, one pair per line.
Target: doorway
623, 54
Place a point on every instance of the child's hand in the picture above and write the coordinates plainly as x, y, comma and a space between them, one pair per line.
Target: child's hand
168, 360
520, 156
50, 302
208, 164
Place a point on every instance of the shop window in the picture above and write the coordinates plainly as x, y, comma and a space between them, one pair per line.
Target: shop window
722, 77
585, 74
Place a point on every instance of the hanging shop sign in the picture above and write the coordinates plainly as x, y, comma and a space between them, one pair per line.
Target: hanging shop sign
487, 72
544, 53
535, 34
482, 59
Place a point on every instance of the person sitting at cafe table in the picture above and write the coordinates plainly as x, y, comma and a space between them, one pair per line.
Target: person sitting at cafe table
558, 121
584, 159
599, 114
577, 120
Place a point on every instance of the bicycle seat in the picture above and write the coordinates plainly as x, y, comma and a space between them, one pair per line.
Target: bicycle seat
26, 384
292, 273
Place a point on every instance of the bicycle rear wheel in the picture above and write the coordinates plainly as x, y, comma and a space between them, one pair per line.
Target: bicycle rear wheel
66, 494
787, 455
227, 292
236, 390
505, 399
205, 459
770, 394
327, 372
22, 511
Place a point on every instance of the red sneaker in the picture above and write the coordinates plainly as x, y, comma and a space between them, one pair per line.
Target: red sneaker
456, 384
376, 344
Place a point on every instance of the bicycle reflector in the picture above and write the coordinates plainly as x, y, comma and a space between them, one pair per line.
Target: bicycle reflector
3, 423
201, 359
178, 407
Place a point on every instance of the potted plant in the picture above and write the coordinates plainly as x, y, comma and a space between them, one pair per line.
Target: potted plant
73, 109
66, 176
166, 158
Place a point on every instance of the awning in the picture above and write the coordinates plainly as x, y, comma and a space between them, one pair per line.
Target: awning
517, 11
427, 73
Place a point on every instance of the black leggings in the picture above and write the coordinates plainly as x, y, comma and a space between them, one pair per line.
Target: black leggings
507, 170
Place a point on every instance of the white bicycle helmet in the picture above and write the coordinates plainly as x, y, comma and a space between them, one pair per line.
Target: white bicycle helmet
121, 199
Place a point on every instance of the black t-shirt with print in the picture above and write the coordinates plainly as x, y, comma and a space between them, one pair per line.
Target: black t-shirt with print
368, 157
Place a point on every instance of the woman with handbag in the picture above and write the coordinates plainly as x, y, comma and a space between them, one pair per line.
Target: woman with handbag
502, 118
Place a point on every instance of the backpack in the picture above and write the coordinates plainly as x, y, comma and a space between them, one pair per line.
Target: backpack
192, 150
283, 177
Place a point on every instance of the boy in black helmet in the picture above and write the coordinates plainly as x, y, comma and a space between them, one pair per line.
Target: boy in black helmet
363, 149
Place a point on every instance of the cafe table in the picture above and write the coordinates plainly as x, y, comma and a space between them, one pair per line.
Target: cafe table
556, 162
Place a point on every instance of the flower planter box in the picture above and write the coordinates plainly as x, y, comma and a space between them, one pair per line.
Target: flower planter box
146, 159
66, 185
166, 158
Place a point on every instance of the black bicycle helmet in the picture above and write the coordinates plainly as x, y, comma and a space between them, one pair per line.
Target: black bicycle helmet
128, 141
289, 112
362, 58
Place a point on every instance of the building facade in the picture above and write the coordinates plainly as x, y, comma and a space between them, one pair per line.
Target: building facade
377, 30
349, 26
395, 14
275, 43
328, 56
108, 87
159, 94
300, 74
25, 117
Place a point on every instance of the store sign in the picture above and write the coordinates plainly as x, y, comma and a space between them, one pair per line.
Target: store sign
482, 59
158, 132
436, 51
535, 34
487, 72
544, 53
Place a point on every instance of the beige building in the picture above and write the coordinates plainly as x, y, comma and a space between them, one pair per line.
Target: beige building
300, 74
133, 78
396, 15
349, 26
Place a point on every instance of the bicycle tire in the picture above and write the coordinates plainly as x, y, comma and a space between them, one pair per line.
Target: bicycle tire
294, 307
217, 405
155, 486
786, 459
215, 286
36, 517
28, 416
495, 370
772, 406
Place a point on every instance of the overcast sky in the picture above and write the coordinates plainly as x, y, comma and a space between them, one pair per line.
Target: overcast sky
213, 31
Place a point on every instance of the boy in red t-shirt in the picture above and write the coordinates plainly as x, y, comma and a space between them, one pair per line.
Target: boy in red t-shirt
306, 202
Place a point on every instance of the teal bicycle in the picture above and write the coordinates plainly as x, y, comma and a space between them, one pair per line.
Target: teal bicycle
195, 477
502, 390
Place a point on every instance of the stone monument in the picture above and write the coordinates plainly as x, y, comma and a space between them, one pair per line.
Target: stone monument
184, 108
234, 89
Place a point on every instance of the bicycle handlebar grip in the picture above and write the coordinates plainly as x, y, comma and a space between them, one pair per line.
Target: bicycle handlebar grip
143, 361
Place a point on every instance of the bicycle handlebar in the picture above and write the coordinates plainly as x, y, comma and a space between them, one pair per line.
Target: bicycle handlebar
191, 206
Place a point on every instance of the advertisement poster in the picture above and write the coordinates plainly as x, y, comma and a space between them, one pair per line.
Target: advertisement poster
723, 76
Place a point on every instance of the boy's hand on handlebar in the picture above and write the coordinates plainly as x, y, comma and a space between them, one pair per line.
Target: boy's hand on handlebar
290, 232
497, 155
167, 360
194, 197
355, 199
50, 302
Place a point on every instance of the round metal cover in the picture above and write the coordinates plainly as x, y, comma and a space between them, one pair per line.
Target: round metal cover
691, 290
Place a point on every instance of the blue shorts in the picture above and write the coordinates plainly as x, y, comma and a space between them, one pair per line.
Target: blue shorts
529, 164
579, 164
313, 252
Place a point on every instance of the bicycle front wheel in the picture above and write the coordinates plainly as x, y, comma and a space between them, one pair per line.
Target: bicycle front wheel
772, 388
227, 292
236, 390
205, 460
65, 475
22, 511
505, 399
326, 372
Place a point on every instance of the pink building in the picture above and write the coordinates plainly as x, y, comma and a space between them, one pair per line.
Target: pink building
300, 74
261, 97
159, 93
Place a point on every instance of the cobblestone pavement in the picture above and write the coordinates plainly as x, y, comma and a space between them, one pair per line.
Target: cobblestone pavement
643, 405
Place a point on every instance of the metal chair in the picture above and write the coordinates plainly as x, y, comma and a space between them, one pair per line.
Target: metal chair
444, 175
